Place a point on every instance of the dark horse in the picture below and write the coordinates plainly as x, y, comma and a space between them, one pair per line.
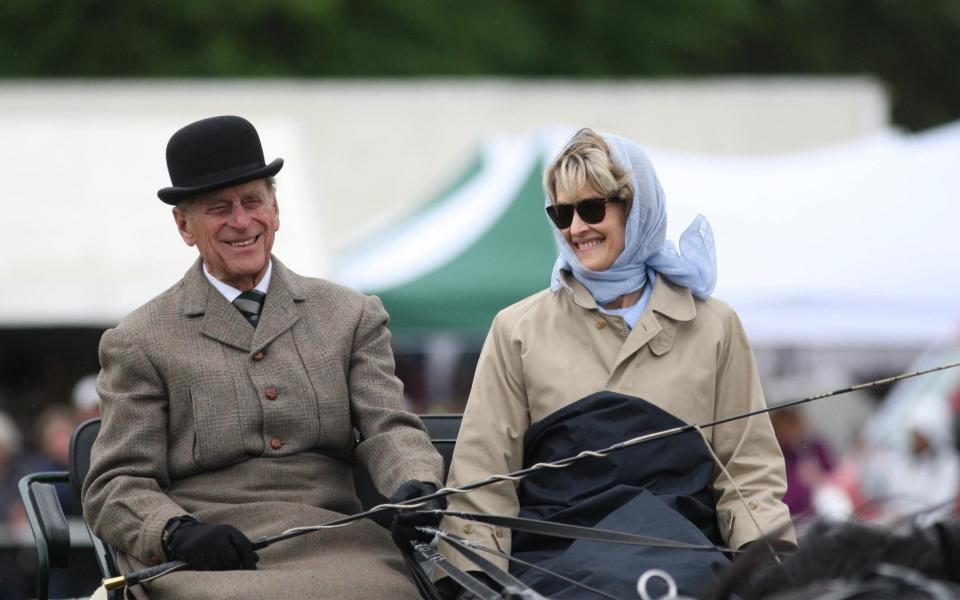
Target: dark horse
851, 560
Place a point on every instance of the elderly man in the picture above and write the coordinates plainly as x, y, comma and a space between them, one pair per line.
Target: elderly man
229, 403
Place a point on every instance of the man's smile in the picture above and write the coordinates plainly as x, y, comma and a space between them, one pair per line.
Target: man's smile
242, 243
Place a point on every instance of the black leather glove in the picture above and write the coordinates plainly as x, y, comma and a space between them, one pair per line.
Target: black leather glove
403, 523
207, 547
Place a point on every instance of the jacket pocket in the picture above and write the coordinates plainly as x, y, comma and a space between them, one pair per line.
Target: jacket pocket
218, 439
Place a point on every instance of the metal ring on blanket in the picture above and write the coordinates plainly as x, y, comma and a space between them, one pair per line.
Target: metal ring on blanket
659, 574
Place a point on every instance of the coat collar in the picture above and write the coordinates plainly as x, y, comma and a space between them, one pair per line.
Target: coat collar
223, 322
669, 299
672, 300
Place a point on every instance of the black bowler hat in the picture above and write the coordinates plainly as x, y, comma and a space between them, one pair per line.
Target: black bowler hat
212, 154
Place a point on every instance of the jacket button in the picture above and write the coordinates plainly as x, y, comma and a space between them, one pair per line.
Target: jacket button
752, 505
498, 532
275, 443
154, 559
601, 323
270, 393
259, 355
468, 528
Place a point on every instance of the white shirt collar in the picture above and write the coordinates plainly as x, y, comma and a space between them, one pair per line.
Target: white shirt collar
229, 292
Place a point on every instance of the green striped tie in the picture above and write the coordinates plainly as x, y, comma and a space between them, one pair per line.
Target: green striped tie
249, 304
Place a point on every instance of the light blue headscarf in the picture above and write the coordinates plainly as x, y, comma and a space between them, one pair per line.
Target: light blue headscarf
646, 250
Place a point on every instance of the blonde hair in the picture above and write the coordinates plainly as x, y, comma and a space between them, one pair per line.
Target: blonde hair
586, 161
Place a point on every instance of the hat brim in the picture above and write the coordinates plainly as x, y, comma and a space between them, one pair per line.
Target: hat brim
172, 195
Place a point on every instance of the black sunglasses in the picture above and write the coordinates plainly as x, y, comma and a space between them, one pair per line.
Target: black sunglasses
591, 211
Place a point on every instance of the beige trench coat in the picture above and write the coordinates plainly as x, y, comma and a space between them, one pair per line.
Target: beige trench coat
205, 415
690, 357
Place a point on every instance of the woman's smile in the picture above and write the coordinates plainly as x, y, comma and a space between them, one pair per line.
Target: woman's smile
587, 245
597, 245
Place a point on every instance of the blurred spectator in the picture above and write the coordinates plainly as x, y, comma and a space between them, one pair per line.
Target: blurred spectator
807, 458
922, 480
955, 429
86, 401
52, 433
13, 582
954, 403
10, 508
54, 429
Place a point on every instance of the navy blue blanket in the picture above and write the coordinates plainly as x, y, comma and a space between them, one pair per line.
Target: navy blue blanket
659, 488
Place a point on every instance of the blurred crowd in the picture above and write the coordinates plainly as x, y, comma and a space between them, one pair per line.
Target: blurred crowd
44, 447
902, 467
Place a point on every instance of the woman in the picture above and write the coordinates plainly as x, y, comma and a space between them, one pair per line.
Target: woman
626, 341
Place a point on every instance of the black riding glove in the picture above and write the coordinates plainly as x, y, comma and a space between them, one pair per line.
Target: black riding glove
403, 523
207, 547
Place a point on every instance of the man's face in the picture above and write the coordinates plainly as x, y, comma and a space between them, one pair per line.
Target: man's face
233, 230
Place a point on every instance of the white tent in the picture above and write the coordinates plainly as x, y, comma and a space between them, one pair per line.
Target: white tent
849, 245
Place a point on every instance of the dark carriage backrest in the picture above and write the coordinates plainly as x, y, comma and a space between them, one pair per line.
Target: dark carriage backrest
80, 445
443, 430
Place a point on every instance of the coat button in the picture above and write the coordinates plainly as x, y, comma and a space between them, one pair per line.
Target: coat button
275, 443
468, 528
259, 355
498, 532
154, 559
601, 323
752, 505
271, 393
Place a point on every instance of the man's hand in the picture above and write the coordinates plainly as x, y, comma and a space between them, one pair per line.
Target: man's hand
208, 547
403, 524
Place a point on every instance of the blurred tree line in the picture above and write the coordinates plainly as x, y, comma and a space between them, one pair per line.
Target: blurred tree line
911, 46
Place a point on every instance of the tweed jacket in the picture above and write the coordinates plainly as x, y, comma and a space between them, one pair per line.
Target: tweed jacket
205, 415
687, 356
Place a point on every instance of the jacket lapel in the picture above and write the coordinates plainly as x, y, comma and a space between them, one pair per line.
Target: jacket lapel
279, 309
220, 320
223, 322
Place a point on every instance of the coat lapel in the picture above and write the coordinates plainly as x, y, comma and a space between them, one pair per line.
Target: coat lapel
279, 309
646, 329
220, 320
224, 323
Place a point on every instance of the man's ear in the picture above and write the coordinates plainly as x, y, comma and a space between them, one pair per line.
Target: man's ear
276, 214
180, 218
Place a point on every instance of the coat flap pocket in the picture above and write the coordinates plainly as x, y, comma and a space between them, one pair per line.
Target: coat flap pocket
220, 438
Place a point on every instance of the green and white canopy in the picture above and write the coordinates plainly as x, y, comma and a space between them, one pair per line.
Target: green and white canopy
478, 247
